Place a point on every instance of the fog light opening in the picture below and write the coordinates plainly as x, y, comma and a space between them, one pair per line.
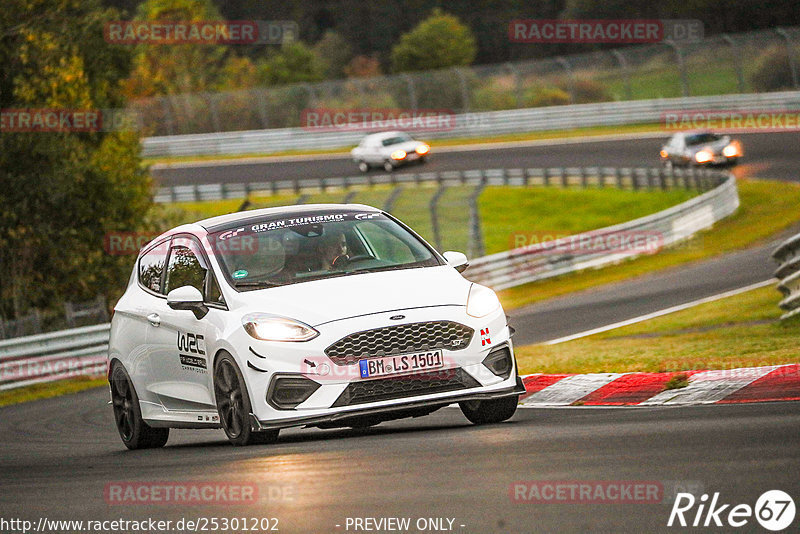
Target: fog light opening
287, 392
499, 362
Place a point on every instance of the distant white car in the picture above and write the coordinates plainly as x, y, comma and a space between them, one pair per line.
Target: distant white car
320, 315
700, 148
388, 150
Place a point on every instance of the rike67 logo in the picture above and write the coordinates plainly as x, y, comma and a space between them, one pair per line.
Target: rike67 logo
774, 510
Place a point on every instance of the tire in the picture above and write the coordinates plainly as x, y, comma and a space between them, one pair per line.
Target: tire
135, 433
486, 412
363, 166
668, 164
233, 405
388, 166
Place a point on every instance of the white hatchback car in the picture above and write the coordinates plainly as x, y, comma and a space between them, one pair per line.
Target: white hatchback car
388, 150
321, 315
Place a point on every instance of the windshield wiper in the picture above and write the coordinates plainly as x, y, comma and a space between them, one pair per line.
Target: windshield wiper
262, 283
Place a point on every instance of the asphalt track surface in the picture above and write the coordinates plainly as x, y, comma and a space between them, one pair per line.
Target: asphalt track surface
766, 155
58, 455
609, 304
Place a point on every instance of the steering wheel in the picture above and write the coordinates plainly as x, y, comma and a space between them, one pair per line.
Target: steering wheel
341, 262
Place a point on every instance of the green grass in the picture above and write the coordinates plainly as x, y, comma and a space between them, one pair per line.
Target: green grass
738, 331
767, 207
507, 213
50, 389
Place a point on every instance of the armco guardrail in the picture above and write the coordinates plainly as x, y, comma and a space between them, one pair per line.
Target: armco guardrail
81, 351
788, 257
623, 178
49, 357
469, 125
607, 245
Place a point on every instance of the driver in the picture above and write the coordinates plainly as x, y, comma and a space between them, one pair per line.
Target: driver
332, 250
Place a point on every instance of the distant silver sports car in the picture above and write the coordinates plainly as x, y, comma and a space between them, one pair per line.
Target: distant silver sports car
700, 148
388, 150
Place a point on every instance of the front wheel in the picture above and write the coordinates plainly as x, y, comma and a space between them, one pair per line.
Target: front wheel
490, 411
388, 166
135, 433
233, 405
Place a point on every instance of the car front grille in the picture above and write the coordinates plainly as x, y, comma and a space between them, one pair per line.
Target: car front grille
400, 339
383, 389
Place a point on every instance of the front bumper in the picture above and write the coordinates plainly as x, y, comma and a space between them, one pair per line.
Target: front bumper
343, 417
330, 401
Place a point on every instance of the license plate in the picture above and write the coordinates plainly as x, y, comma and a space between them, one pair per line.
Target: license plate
401, 364
412, 156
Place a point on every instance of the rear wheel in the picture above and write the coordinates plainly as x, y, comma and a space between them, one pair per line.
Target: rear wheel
135, 433
233, 405
489, 411
363, 166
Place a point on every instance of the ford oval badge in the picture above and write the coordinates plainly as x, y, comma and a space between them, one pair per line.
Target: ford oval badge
397, 317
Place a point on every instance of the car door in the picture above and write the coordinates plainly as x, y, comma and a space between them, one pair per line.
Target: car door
375, 152
131, 316
180, 345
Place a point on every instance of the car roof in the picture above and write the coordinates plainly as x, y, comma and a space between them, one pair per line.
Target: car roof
385, 135
213, 224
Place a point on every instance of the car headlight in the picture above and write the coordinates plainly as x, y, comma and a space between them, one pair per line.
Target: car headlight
703, 156
422, 149
481, 301
276, 328
398, 154
732, 150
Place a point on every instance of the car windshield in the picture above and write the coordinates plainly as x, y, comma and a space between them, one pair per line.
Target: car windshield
701, 138
396, 140
288, 249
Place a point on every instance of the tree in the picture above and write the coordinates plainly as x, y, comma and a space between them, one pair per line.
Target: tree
63, 192
334, 52
295, 62
440, 41
163, 69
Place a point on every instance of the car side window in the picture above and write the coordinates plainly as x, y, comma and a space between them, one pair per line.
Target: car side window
151, 267
186, 266
213, 294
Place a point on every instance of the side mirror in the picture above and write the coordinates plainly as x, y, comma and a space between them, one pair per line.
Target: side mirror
187, 298
456, 260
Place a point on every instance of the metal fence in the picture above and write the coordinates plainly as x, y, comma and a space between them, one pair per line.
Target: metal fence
75, 314
29, 360
470, 125
788, 257
724, 64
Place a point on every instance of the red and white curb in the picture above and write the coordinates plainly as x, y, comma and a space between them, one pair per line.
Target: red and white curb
750, 384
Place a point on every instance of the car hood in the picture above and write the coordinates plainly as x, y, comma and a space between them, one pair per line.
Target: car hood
715, 147
322, 301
